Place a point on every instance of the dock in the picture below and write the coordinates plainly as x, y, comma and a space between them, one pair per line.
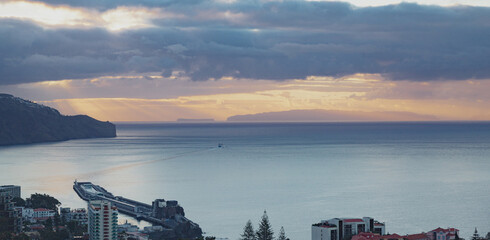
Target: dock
167, 214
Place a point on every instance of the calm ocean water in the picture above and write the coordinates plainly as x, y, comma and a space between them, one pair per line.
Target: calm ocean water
413, 176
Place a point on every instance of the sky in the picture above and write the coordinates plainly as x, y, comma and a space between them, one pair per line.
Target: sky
161, 60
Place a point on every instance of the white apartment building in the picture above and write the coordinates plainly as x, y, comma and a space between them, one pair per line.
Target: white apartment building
345, 228
27, 213
42, 213
102, 220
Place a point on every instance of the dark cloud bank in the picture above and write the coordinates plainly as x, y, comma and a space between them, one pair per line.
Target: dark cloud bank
273, 40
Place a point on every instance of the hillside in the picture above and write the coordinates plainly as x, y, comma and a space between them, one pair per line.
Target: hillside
23, 122
318, 115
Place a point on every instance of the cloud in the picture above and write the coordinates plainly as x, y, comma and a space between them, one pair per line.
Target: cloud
156, 98
274, 40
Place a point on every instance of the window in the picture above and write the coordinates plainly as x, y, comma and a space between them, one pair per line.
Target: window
333, 234
347, 231
361, 228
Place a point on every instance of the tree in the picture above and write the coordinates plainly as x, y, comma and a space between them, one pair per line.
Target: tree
265, 230
248, 232
43, 201
282, 234
57, 220
48, 225
475, 236
19, 202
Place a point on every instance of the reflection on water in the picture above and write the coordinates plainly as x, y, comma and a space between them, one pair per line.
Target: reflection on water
415, 177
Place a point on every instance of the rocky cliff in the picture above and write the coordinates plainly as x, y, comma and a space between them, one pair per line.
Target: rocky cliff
23, 122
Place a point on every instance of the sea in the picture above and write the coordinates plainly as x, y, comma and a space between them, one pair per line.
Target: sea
415, 177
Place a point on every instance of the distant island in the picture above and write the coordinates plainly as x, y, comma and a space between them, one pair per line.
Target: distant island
319, 115
24, 122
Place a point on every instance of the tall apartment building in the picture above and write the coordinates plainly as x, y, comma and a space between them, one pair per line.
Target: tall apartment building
345, 228
12, 189
10, 221
102, 220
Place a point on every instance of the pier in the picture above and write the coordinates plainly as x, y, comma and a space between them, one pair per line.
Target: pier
167, 214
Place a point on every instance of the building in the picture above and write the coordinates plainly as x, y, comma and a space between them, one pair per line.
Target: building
443, 234
166, 209
345, 228
78, 215
27, 214
375, 236
12, 189
41, 214
65, 214
391, 237
324, 231
102, 220
366, 236
436, 234
10, 220
127, 227
417, 236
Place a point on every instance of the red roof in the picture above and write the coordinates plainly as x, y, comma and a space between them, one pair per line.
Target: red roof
366, 236
353, 220
41, 210
416, 236
43, 218
392, 236
439, 229
36, 227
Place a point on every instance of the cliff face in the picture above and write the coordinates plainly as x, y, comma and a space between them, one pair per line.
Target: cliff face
23, 122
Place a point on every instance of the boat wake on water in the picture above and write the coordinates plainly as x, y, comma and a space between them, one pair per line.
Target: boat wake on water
130, 165
92, 174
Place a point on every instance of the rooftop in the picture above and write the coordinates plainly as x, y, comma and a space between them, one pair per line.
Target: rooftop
42, 210
324, 225
416, 236
439, 229
353, 220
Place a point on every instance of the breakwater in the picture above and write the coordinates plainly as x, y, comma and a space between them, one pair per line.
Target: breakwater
168, 214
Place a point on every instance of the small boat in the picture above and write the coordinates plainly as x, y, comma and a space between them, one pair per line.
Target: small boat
220, 145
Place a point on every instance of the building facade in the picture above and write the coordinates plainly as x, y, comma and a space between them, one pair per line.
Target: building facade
27, 214
166, 209
78, 215
436, 234
41, 214
345, 228
12, 189
10, 220
102, 220
443, 234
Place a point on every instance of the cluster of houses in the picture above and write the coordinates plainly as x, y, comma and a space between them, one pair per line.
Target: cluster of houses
367, 228
31, 221
436, 234
38, 217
